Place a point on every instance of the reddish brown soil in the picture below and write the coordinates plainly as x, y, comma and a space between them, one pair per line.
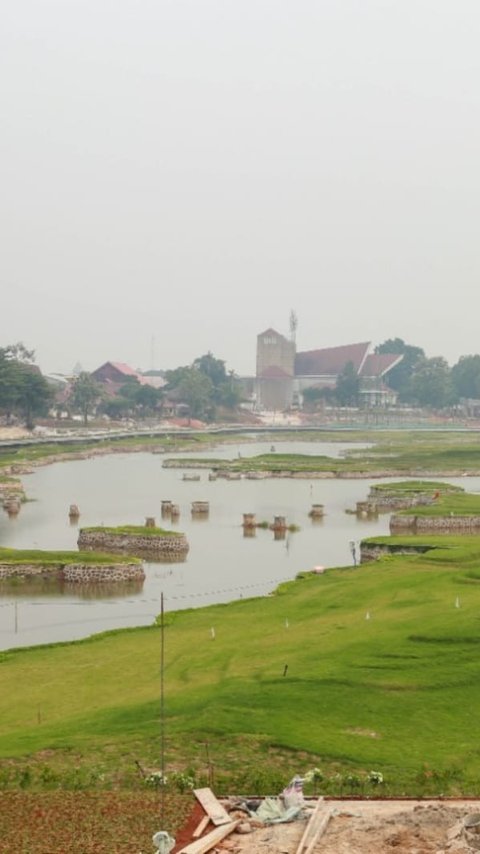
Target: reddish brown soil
184, 836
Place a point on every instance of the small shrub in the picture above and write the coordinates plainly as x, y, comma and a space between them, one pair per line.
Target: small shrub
156, 780
25, 778
184, 782
352, 781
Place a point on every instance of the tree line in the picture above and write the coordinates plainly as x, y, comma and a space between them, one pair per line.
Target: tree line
24, 392
206, 386
203, 387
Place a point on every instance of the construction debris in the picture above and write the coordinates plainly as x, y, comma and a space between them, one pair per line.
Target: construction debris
213, 808
341, 826
206, 843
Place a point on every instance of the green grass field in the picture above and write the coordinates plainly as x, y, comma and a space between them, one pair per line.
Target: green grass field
141, 530
58, 558
409, 487
383, 672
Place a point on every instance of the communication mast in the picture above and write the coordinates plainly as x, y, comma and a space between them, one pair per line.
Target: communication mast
293, 326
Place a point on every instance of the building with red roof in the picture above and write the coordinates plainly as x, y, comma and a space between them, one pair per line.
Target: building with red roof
112, 375
283, 374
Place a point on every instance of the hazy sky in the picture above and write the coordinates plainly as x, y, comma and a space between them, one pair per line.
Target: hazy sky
190, 170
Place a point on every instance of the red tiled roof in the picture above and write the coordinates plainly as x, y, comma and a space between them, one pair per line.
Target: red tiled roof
330, 361
378, 364
127, 371
123, 368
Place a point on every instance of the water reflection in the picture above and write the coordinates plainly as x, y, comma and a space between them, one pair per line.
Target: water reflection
104, 589
38, 586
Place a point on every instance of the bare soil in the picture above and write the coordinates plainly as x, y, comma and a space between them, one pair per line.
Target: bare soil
366, 827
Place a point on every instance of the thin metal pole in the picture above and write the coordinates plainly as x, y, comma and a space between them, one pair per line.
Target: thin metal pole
162, 712
16, 618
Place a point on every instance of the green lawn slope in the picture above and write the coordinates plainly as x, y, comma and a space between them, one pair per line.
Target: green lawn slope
377, 667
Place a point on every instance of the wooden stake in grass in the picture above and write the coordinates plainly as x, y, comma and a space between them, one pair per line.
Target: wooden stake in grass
162, 710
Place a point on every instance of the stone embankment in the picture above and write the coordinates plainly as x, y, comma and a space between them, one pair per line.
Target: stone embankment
12, 489
373, 551
385, 501
324, 474
88, 573
400, 524
150, 545
79, 573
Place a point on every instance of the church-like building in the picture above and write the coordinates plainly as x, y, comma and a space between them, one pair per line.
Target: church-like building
282, 373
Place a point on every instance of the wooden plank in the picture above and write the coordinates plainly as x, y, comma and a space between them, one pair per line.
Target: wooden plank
210, 840
309, 827
320, 828
201, 827
213, 808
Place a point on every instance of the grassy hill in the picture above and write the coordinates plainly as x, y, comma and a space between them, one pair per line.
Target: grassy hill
383, 673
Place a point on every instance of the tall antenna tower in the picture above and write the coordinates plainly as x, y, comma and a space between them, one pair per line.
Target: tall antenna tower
293, 326
152, 353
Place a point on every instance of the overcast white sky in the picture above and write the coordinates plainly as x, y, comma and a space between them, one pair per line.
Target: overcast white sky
190, 170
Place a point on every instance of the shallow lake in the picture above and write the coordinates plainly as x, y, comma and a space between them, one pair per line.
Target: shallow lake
222, 563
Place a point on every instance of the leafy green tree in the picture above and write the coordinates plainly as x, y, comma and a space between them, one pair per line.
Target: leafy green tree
204, 385
86, 394
116, 407
23, 389
148, 399
431, 383
466, 377
347, 387
196, 389
228, 394
8, 381
399, 377
225, 391
175, 376
34, 397
135, 399
213, 368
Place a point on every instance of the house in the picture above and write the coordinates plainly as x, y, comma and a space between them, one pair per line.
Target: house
112, 375
282, 374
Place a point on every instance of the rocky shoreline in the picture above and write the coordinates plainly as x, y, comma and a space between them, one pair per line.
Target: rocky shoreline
144, 545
